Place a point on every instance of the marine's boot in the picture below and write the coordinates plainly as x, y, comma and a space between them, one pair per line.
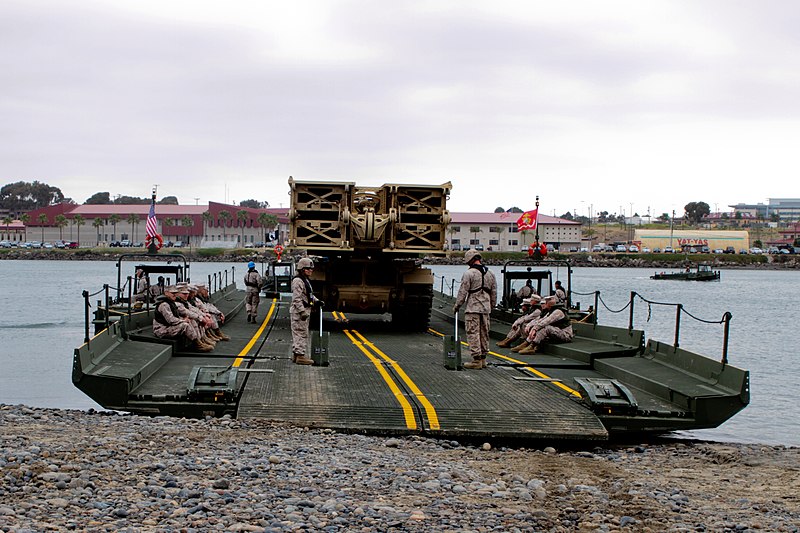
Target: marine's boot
301, 359
475, 364
255, 320
529, 350
520, 347
505, 343
206, 339
219, 333
484, 364
211, 334
199, 346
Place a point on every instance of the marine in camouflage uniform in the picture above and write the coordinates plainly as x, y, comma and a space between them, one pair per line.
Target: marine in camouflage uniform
169, 323
303, 300
253, 282
478, 291
530, 312
553, 326
201, 321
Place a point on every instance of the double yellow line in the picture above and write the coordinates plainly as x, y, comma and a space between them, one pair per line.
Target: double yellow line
370, 350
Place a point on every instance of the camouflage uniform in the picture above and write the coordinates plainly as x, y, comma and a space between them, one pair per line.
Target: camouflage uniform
300, 313
519, 324
168, 321
561, 295
479, 291
554, 325
253, 283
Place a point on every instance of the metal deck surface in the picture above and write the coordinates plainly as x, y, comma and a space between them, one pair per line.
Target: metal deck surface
385, 382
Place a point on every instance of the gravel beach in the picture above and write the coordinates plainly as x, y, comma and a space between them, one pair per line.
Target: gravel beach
89, 471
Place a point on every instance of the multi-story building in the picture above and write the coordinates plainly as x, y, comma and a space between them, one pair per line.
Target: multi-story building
785, 210
207, 226
498, 232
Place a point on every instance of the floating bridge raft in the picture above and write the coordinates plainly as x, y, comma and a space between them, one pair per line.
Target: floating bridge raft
606, 382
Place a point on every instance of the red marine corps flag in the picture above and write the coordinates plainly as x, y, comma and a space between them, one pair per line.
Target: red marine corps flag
528, 220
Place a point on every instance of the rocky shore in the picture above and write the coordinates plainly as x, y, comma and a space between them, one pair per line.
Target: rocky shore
74, 470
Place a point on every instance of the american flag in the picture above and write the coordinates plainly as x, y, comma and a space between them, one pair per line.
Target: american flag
152, 224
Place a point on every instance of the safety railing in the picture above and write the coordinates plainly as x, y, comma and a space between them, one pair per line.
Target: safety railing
679, 312
216, 282
598, 301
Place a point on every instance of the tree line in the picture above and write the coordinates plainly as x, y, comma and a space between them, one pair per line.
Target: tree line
20, 197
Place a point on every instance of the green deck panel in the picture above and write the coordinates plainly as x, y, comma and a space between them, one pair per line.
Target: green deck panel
351, 394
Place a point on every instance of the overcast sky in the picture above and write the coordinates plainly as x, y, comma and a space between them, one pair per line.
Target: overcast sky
601, 104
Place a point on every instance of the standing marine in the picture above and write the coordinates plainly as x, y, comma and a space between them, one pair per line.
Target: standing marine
253, 283
303, 300
478, 292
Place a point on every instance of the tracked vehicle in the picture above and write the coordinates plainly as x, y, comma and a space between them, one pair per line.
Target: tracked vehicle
368, 244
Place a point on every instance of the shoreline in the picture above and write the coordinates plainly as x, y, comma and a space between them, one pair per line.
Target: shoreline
100, 470
591, 260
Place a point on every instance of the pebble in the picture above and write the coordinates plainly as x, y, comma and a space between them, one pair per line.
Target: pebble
74, 470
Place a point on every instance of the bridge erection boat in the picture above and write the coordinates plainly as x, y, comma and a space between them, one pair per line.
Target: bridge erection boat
701, 272
379, 372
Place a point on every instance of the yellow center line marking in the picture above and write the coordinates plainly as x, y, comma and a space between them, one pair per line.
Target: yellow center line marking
430, 412
255, 337
525, 367
408, 412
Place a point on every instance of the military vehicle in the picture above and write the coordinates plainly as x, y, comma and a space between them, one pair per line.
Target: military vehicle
368, 244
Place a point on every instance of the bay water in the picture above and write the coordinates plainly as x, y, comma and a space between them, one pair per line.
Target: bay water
41, 322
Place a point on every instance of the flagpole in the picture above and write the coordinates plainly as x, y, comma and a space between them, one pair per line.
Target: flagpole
536, 237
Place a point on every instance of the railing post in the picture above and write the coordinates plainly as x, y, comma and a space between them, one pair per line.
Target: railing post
596, 306
678, 326
630, 317
726, 329
86, 316
209, 284
107, 303
130, 294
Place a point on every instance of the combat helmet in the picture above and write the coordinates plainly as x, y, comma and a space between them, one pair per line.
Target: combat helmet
305, 262
470, 255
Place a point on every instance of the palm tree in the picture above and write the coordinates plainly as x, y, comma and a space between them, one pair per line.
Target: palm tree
78, 221
97, 224
25, 218
133, 220
113, 219
187, 222
43, 220
224, 216
7, 220
167, 223
267, 220
208, 218
241, 217
452, 231
61, 222
500, 230
475, 230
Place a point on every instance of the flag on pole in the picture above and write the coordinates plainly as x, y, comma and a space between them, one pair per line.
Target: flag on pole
151, 226
528, 220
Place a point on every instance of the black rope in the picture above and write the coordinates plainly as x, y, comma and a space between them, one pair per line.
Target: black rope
653, 302
600, 299
96, 293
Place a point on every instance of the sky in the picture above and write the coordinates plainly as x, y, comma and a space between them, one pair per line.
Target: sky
619, 106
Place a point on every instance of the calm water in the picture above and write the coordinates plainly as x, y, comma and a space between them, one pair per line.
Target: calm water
41, 321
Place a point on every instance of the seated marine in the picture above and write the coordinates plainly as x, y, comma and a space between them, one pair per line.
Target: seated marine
554, 325
170, 322
530, 312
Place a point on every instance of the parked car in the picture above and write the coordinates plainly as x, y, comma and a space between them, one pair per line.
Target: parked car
72, 244
621, 248
719, 251
656, 250
47, 245
756, 250
125, 242
479, 247
36, 244
645, 250
597, 248
704, 250
178, 244
633, 249
5, 244
773, 250
668, 250
730, 250
584, 249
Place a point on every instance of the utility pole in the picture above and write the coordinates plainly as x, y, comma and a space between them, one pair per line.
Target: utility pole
671, 224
